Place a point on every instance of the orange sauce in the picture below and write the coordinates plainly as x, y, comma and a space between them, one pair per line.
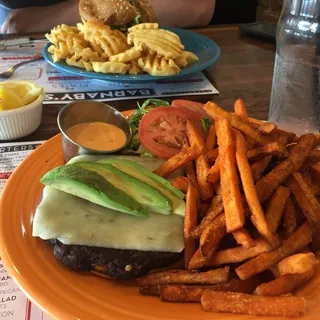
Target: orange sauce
99, 136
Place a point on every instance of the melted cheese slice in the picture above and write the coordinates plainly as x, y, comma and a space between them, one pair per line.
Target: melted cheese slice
73, 220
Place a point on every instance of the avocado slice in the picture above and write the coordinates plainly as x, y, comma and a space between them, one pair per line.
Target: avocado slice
150, 198
162, 185
149, 163
93, 187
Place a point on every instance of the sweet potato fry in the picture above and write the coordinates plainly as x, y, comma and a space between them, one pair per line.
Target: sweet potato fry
214, 172
270, 182
305, 172
315, 173
282, 136
251, 144
284, 284
191, 172
181, 293
239, 254
267, 127
211, 139
202, 168
276, 207
240, 109
190, 222
289, 219
257, 215
217, 113
181, 183
314, 156
212, 156
203, 209
298, 240
306, 199
197, 261
318, 139
258, 167
186, 155
302, 149
150, 291
215, 201
211, 236
194, 136
185, 277
231, 196
217, 188
255, 122
212, 215
237, 285
275, 149
235, 302
297, 263
289, 136
243, 238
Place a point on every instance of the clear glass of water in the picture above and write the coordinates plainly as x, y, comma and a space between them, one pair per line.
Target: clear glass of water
295, 97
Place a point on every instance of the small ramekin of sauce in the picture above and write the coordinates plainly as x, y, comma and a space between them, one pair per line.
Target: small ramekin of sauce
91, 127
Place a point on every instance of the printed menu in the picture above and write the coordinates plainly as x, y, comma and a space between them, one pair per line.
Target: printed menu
62, 87
14, 305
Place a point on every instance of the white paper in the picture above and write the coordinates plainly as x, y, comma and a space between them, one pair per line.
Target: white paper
64, 88
14, 305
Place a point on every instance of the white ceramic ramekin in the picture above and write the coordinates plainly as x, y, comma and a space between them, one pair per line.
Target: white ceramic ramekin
20, 122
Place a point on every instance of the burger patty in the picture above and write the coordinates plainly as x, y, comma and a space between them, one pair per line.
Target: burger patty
115, 263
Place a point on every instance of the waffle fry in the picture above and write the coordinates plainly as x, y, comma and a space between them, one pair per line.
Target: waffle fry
110, 67
162, 42
103, 38
190, 56
72, 61
128, 55
134, 70
88, 55
181, 62
146, 48
158, 66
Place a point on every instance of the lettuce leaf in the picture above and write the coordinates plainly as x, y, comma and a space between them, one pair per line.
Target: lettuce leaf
206, 124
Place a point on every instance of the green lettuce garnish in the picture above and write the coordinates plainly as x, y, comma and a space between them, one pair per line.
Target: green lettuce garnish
206, 124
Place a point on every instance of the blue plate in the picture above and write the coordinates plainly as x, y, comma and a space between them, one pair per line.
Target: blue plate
207, 51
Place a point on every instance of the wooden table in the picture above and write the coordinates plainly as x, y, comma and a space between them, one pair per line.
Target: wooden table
244, 70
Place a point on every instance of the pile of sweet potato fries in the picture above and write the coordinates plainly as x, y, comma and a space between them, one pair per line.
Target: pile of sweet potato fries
252, 217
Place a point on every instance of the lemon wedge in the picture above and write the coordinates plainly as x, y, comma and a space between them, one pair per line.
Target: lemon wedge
16, 94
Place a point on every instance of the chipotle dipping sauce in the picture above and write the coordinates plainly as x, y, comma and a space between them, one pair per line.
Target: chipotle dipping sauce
98, 136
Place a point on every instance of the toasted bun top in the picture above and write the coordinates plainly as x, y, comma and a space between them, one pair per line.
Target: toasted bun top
116, 12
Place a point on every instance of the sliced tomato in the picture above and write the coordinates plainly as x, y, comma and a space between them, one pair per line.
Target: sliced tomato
162, 130
192, 106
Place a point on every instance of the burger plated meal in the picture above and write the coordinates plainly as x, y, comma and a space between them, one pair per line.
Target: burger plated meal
215, 208
119, 37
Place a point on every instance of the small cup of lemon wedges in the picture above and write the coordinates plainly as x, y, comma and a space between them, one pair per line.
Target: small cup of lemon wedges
20, 108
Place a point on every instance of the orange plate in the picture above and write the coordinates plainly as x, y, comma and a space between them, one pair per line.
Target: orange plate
66, 294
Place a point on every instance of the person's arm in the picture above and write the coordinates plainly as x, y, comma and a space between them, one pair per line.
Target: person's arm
42, 18
184, 13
